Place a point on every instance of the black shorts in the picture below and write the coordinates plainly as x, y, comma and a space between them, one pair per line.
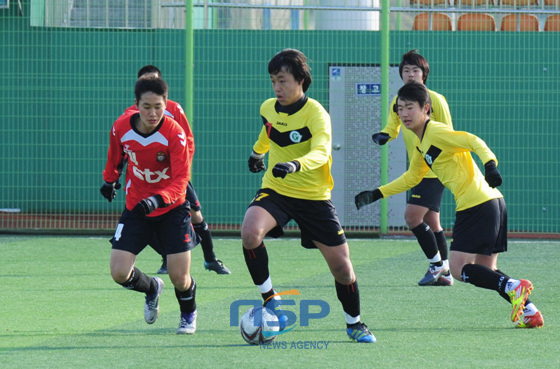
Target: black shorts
173, 231
192, 198
481, 229
317, 220
428, 193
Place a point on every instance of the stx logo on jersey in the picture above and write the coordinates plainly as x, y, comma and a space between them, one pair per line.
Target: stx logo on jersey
131, 155
149, 176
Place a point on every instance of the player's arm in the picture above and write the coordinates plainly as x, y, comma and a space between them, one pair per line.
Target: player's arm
181, 118
113, 167
260, 148
460, 141
392, 128
416, 171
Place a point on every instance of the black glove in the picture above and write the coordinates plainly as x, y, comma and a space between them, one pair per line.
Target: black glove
109, 190
256, 162
282, 169
380, 138
492, 174
148, 205
367, 197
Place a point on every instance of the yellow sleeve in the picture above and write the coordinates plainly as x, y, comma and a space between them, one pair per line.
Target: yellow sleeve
461, 141
393, 126
440, 109
414, 175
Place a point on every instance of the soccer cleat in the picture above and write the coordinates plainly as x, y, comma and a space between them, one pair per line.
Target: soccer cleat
216, 266
151, 307
188, 323
274, 306
533, 321
431, 276
445, 279
518, 297
360, 333
163, 268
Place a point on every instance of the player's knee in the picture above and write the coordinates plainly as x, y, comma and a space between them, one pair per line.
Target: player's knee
181, 282
196, 217
120, 276
250, 236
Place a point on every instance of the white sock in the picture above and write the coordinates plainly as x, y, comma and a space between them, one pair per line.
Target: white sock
266, 286
530, 309
351, 319
512, 284
436, 258
446, 264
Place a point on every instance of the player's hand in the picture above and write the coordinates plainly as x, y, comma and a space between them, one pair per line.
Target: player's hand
380, 138
283, 169
492, 174
148, 205
256, 162
367, 197
109, 190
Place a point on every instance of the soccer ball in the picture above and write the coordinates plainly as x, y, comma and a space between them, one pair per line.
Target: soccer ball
257, 326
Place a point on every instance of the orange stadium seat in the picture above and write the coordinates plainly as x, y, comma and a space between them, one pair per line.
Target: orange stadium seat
520, 22
519, 2
439, 22
552, 23
476, 22
550, 2
428, 2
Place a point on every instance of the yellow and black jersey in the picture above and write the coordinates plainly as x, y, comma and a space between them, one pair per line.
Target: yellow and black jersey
448, 154
440, 113
302, 132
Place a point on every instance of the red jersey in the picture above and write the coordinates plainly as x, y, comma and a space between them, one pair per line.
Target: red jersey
175, 111
158, 163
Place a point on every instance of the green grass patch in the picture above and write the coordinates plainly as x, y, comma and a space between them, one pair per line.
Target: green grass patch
61, 309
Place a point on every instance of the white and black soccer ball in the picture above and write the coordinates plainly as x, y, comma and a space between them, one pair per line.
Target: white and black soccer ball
258, 326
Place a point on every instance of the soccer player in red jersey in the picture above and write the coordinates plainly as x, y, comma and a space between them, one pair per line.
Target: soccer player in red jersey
157, 174
175, 111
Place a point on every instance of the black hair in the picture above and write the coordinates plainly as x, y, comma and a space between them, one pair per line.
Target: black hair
416, 92
153, 84
149, 69
413, 58
294, 62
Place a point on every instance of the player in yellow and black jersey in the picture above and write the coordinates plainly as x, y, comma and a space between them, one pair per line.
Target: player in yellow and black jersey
296, 134
423, 205
480, 230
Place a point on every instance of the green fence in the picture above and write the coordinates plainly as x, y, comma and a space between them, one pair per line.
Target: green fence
61, 88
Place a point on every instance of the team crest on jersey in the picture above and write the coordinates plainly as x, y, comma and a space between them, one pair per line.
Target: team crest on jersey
295, 136
161, 156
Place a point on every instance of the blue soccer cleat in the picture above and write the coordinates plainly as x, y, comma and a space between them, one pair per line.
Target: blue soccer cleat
360, 333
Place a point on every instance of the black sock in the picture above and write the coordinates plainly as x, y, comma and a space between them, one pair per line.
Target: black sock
441, 244
349, 296
257, 263
206, 242
140, 282
426, 239
484, 277
187, 303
